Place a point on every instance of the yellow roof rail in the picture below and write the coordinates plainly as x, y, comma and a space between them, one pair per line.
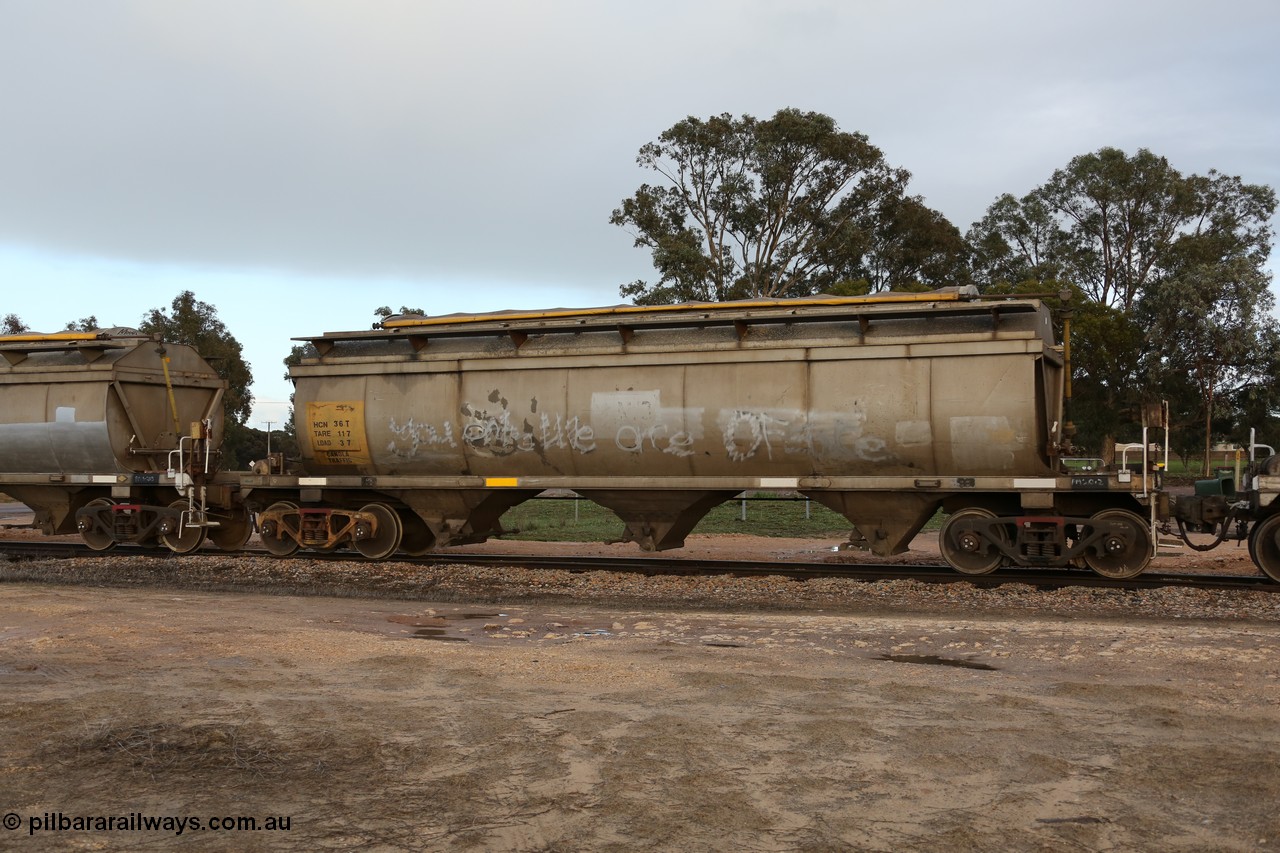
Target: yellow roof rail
625, 310
36, 338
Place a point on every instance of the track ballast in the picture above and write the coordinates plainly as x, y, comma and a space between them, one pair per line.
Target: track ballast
660, 565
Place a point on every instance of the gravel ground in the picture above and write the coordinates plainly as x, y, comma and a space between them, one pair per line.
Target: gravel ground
214, 570
397, 707
478, 584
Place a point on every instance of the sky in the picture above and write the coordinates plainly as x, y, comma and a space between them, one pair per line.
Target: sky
299, 163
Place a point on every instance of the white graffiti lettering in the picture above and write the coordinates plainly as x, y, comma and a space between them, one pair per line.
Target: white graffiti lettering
632, 439
411, 436
571, 433
680, 444
745, 432
638, 424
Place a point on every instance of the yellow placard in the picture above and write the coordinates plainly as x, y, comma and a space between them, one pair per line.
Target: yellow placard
336, 431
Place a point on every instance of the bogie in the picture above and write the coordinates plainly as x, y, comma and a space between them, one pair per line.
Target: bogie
1115, 543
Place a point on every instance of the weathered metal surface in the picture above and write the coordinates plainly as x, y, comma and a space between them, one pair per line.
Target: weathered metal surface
934, 389
104, 409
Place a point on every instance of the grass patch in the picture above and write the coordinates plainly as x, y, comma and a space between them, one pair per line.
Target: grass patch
569, 520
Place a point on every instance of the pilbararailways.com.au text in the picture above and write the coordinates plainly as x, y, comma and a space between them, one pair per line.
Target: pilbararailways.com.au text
49, 822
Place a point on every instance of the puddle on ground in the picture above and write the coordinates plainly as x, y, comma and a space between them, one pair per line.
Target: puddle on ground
935, 660
442, 627
438, 634
472, 626
446, 627
437, 620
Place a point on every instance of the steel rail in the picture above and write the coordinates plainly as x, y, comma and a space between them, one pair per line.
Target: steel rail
659, 565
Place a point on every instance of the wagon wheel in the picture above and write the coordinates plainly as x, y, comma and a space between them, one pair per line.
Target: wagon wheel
1264, 547
277, 541
1126, 549
233, 530
94, 537
383, 542
418, 538
182, 539
967, 551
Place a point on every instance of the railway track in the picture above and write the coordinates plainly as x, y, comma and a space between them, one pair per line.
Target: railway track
652, 565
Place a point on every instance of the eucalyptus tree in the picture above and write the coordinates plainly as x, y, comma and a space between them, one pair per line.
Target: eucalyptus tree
84, 324
785, 206
1131, 220
1171, 270
1019, 240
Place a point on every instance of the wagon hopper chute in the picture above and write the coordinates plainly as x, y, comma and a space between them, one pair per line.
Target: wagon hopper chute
114, 434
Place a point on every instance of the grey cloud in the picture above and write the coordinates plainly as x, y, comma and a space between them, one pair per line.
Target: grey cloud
491, 140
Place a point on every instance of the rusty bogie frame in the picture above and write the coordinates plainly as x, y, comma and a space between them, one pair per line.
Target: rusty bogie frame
286, 527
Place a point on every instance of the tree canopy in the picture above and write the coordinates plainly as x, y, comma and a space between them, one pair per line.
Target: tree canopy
384, 311
1171, 270
84, 324
1115, 225
786, 206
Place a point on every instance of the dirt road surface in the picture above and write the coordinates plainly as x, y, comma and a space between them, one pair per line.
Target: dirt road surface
402, 725
557, 712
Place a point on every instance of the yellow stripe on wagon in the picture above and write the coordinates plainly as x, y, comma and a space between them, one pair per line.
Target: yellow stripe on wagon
501, 482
